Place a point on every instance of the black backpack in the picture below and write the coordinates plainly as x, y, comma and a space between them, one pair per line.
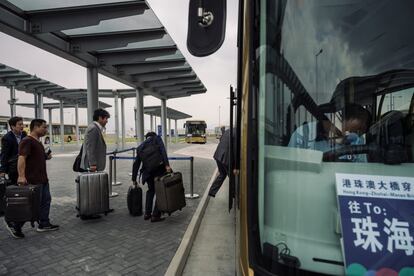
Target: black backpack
151, 156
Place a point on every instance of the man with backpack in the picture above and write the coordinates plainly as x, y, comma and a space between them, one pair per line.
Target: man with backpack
153, 156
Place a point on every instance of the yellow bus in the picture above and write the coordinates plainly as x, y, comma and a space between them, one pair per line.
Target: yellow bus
69, 136
301, 65
195, 131
69, 133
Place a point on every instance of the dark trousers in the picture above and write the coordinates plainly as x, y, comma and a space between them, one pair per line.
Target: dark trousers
149, 201
223, 172
45, 200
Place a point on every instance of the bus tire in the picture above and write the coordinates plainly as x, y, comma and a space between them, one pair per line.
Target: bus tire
69, 139
47, 140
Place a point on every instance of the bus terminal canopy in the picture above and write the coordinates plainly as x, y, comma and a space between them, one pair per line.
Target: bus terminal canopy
171, 113
57, 105
122, 40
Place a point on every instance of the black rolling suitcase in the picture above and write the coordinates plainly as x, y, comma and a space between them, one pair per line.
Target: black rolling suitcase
22, 203
169, 190
134, 200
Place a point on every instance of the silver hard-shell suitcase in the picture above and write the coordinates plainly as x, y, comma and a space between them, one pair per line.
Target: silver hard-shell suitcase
92, 190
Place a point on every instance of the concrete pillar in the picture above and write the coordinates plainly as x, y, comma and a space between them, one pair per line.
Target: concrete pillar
40, 113
151, 123
62, 125
92, 97
164, 121
169, 130
50, 127
116, 118
36, 110
140, 115
12, 101
122, 123
78, 137
175, 131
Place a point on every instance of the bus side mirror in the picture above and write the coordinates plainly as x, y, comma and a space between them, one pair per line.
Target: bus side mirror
206, 26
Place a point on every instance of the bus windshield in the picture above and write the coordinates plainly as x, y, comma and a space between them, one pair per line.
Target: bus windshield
335, 95
196, 128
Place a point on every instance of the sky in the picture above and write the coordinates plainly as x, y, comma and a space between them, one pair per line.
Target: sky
217, 72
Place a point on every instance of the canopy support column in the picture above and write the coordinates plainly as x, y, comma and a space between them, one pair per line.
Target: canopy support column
123, 123
77, 124
164, 121
40, 113
12, 101
151, 123
116, 118
62, 126
92, 94
175, 131
140, 115
50, 127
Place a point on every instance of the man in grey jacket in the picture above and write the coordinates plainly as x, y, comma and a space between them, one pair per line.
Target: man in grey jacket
94, 146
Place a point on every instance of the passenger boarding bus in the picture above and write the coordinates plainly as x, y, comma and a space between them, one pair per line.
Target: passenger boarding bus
195, 131
324, 104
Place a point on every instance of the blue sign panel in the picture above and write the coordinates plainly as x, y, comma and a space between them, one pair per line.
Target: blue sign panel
377, 224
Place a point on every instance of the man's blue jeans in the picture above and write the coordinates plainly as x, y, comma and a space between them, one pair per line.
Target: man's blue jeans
45, 199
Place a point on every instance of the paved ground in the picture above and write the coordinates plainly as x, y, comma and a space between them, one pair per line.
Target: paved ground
114, 245
213, 251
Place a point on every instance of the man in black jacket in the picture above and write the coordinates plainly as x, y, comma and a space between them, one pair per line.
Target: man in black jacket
222, 157
9, 148
148, 174
9, 154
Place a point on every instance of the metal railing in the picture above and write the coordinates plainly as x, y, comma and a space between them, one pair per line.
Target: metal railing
112, 170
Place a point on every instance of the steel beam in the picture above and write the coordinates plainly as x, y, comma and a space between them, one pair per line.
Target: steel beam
161, 75
52, 20
148, 67
109, 58
169, 82
180, 87
109, 40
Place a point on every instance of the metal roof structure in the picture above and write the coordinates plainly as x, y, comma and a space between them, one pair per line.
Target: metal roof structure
123, 40
171, 113
57, 105
22, 81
